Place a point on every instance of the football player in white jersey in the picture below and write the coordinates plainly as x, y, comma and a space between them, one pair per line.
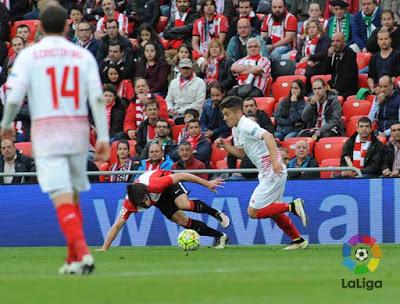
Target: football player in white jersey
59, 79
260, 146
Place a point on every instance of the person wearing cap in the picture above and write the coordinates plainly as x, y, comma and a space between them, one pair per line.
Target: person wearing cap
340, 21
185, 91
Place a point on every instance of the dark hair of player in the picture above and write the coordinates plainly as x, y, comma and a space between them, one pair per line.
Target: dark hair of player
53, 19
137, 193
232, 102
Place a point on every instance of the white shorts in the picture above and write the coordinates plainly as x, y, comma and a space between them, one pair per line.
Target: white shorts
269, 190
62, 173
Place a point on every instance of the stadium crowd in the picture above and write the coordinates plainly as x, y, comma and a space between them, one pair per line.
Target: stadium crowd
322, 76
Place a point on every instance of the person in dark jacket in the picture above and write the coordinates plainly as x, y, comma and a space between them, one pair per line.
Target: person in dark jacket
245, 10
86, 38
391, 158
200, 144
211, 119
180, 26
115, 108
154, 69
363, 24
341, 64
250, 108
302, 159
112, 35
288, 114
322, 114
187, 161
387, 23
12, 161
363, 151
144, 11
147, 129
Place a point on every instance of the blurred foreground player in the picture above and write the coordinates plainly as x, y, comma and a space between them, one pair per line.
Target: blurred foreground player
260, 146
59, 78
164, 190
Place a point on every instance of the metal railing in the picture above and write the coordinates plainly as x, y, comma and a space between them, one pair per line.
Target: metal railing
209, 171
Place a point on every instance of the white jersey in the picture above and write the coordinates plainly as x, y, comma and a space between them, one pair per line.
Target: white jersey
248, 136
59, 77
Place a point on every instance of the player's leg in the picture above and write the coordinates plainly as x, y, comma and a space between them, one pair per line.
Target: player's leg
198, 206
266, 202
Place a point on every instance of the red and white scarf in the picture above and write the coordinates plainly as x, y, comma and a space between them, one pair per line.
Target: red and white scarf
140, 116
320, 113
109, 108
194, 141
153, 166
180, 19
117, 167
276, 30
212, 69
360, 151
310, 45
184, 81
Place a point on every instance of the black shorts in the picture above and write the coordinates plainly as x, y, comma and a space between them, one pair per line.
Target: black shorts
166, 202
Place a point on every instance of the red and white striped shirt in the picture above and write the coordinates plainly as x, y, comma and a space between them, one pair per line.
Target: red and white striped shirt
259, 81
122, 21
278, 30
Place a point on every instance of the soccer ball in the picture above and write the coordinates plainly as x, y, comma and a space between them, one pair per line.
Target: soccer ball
361, 254
189, 239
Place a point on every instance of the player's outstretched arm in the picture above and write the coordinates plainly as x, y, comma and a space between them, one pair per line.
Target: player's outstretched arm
112, 233
188, 177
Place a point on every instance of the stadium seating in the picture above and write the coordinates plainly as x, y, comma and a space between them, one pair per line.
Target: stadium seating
266, 104
329, 162
24, 147
281, 86
32, 24
363, 81
218, 154
162, 24
222, 164
329, 147
326, 78
176, 130
356, 107
351, 125
113, 155
363, 60
290, 144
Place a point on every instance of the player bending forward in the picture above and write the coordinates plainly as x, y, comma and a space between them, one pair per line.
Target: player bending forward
259, 145
164, 190
59, 78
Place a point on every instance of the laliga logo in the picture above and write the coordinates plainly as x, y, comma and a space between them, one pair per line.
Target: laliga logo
361, 255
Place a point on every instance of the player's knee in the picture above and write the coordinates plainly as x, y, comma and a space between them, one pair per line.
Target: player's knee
252, 212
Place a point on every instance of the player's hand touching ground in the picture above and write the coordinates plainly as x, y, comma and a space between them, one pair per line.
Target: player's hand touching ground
102, 151
214, 184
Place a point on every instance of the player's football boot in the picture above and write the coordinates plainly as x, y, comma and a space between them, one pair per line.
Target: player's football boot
298, 209
299, 244
221, 242
223, 219
64, 269
84, 267
87, 264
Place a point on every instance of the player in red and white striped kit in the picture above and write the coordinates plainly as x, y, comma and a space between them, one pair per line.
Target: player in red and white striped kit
59, 78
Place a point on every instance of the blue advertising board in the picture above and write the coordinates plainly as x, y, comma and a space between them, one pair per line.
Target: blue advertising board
338, 209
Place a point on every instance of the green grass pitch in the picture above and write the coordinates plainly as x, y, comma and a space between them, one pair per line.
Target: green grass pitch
237, 274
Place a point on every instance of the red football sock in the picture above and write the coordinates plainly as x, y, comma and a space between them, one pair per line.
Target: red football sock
71, 227
272, 209
285, 223
71, 257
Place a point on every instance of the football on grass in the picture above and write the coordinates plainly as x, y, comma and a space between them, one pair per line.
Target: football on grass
189, 240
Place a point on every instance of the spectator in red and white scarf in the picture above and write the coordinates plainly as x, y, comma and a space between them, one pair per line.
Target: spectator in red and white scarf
363, 151
110, 13
200, 144
134, 112
124, 163
210, 26
157, 159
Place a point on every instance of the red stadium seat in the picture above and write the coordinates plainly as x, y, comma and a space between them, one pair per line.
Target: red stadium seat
329, 147
24, 147
222, 164
290, 144
351, 97
371, 98
267, 91
329, 162
176, 130
162, 24
351, 125
32, 24
113, 154
281, 86
363, 81
103, 167
218, 154
356, 107
363, 60
326, 78
266, 104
